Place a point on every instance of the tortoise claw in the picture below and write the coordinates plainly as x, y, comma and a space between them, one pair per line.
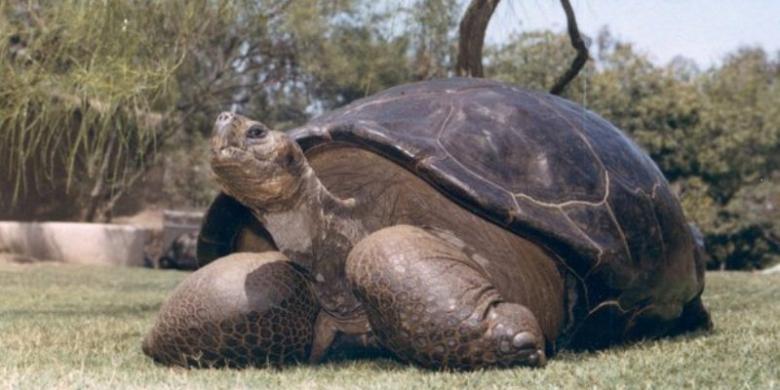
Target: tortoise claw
537, 359
523, 340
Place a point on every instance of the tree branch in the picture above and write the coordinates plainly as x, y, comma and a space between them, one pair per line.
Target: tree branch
578, 44
472, 37
149, 119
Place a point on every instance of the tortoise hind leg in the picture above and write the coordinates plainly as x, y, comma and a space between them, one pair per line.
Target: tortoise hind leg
429, 304
246, 309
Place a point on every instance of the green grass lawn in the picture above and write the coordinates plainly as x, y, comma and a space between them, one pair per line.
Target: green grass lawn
65, 326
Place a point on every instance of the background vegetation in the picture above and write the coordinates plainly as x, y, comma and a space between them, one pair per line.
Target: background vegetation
102, 100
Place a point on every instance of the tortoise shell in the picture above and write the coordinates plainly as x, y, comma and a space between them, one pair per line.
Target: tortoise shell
546, 169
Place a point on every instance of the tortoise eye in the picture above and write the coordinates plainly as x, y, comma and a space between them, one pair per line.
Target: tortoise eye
256, 132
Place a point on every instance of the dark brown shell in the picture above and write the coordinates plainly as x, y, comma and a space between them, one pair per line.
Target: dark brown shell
543, 167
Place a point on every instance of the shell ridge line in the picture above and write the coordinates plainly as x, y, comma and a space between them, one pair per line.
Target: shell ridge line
372, 102
574, 274
559, 205
612, 302
654, 189
599, 249
517, 210
651, 198
664, 250
622, 234
378, 128
309, 131
361, 106
444, 123
638, 312
588, 238
568, 203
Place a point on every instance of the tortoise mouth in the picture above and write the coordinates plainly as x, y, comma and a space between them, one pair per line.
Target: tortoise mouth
228, 151
233, 155
227, 154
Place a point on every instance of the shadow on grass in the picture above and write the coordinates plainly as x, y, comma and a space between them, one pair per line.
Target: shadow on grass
580, 355
384, 360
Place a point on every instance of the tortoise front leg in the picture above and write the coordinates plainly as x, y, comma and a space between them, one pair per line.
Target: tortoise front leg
430, 304
246, 309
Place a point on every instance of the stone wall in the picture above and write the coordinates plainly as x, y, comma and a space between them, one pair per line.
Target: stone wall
80, 243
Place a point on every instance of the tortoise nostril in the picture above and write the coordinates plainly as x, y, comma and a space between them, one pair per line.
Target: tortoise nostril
223, 118
221, 125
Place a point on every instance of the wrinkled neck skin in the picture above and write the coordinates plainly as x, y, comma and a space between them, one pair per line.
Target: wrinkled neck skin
308, 217
315, 229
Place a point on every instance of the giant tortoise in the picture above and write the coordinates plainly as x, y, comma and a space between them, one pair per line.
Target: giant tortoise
458, 223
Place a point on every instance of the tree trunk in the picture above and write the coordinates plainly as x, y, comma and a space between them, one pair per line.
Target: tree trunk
472, 37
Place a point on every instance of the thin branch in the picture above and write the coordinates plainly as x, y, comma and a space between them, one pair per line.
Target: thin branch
578, 44
472, 37
103, 211
100, 182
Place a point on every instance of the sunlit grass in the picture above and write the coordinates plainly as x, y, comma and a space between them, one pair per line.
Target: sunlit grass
64, 326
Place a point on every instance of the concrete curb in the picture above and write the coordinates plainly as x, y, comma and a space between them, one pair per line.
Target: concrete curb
79, 243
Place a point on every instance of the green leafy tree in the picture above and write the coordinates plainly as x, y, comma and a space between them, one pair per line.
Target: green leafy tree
739, 158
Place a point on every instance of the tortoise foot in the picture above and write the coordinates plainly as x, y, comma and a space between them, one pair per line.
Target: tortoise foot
246, 309
430, 304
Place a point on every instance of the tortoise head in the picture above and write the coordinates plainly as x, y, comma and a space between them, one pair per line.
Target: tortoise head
260, 167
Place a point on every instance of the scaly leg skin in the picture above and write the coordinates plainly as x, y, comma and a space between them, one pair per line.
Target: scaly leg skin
429, 304
246, 309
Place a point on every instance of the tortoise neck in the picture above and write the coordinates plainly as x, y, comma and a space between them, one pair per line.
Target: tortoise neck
311, 218
317, 231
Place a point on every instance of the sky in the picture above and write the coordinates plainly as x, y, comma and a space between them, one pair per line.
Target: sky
703, 30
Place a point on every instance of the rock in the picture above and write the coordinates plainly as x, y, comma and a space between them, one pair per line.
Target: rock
182, 253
